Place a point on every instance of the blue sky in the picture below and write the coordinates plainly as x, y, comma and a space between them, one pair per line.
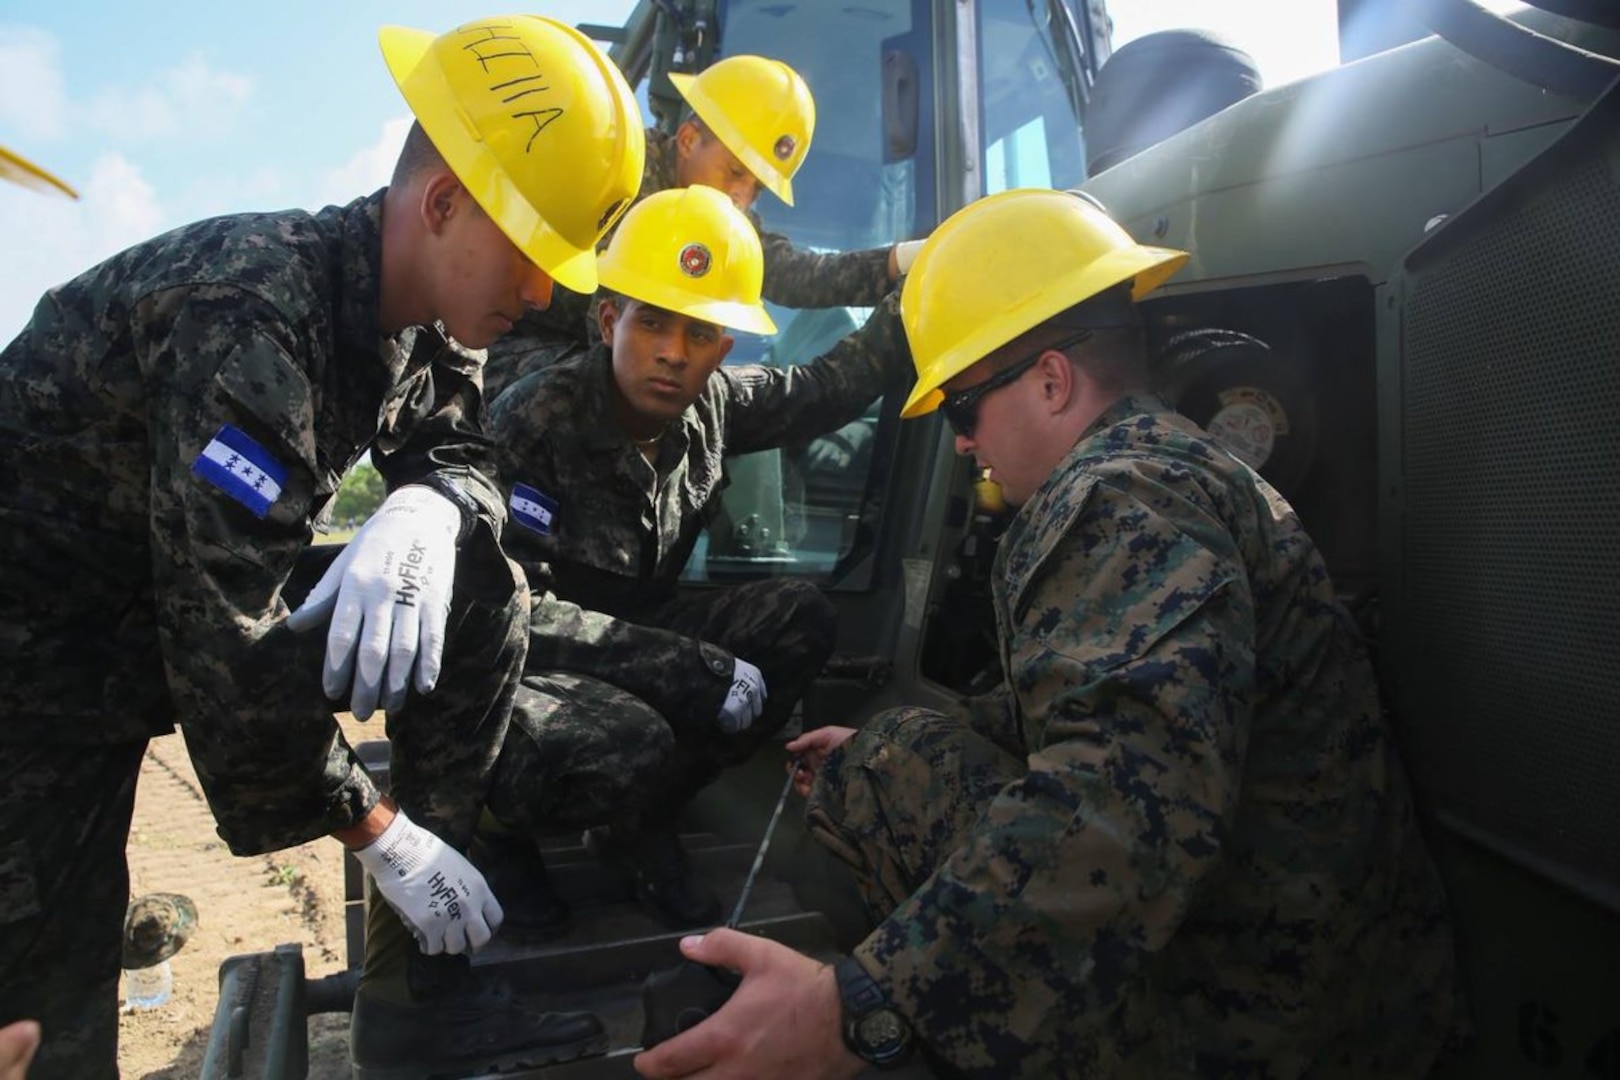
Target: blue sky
162, 113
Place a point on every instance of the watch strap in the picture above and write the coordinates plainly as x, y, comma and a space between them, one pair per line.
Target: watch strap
860, 996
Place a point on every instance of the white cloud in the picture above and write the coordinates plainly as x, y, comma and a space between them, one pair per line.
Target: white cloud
49, 240
33, 102
365, 172
191, 99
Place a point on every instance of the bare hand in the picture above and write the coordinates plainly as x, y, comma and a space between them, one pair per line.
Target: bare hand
782, 1021
18, 1042
811, 750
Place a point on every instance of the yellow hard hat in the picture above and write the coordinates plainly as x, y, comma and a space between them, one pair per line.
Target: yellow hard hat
761, 110
538, 125
1005, 264
690, 251
19, 170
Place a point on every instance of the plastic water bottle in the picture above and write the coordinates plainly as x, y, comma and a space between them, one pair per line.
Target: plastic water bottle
148, 987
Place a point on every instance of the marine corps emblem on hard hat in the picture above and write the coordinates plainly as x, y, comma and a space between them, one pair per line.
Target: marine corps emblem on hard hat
695, 260
785, 146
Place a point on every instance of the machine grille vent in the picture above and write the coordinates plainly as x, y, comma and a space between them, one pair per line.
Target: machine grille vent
1508, 683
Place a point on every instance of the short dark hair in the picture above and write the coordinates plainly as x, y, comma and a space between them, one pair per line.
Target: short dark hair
1116, 359
1114, 356
417, 154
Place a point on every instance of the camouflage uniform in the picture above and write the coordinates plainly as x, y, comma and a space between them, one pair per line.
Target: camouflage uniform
793, 278
134, 593
623, 530
1178, 842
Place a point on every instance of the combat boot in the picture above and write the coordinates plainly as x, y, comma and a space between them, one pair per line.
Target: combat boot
661, 875
458, 1022
516, 872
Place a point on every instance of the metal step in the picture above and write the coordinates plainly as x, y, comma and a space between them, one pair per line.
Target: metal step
613, 944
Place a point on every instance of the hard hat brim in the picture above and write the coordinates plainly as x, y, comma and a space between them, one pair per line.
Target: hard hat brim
749, 318
19, 170
710, 112
1145, 267
475, 165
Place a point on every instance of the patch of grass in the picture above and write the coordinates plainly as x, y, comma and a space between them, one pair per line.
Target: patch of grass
284, 874
336, 536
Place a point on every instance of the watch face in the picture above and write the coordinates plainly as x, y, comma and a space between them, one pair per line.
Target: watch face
882, 1030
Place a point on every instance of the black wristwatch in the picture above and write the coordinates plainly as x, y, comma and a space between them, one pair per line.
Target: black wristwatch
874, 1030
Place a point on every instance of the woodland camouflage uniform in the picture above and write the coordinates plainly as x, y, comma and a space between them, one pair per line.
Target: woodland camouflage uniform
793, 278
621, 533
1178, 842
135, 595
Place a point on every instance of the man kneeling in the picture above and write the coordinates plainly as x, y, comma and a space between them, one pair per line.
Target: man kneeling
636, 698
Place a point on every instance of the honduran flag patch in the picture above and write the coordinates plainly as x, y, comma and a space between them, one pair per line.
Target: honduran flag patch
242, 469
531, 509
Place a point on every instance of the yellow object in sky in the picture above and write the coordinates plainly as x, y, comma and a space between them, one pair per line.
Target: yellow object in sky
19, 170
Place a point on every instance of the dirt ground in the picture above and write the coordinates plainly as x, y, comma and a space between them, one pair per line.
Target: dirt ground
243, 905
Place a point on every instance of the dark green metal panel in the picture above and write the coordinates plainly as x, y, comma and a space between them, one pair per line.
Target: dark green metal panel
1343, 169
1508, 485
1501, 397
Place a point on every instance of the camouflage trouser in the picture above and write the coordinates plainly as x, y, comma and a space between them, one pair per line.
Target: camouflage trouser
911, 788
578, 753
590, 753
901, 795
64, 884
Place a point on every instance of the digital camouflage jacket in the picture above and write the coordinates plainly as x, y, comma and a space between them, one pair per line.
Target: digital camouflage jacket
134, 590
1210, 864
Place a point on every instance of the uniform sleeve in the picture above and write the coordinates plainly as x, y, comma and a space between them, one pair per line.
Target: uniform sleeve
520, 429
780, 406
273, 765
797, 278
440, 442
1135, 647
994, 716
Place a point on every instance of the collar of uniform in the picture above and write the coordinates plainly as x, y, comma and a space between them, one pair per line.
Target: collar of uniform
1111, 418
358, 272
1046, 518
1119, 427
595, 400
601, 430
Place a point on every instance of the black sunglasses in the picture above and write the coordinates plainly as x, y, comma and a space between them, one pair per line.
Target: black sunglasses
961, 409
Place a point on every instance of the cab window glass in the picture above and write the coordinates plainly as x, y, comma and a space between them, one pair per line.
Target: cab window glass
812, 510
1032, 78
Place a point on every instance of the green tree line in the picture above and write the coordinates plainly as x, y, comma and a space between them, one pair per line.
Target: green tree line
360, 493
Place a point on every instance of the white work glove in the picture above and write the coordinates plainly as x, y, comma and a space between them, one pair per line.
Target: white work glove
905, 253
442, 897
388, 596
827, 454
745, 700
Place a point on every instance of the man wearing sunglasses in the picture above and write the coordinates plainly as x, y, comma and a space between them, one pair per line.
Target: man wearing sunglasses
1177, 841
